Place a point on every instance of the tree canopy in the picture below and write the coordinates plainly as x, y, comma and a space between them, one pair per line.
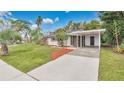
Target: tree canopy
73, 26
114, 24
9, 36
19, 25
61, 36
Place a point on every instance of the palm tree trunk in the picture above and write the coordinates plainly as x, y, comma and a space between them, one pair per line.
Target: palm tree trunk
4, 49
117, 41
116, 35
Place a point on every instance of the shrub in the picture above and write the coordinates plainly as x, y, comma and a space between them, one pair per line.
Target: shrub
36, 37
118, 50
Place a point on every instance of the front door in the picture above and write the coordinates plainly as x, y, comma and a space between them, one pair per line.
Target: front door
92, 40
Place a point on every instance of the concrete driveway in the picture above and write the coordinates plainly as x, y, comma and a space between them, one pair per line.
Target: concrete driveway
71, 67
86, 52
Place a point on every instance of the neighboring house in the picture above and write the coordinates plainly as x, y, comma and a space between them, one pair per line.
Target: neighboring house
51, 39
84, 38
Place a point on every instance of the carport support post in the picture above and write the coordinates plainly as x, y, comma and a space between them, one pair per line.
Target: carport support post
80, 41
99, 40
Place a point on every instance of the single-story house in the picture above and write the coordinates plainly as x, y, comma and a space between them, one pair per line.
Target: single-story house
83, 38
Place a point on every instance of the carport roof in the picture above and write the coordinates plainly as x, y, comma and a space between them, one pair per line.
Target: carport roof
83, 32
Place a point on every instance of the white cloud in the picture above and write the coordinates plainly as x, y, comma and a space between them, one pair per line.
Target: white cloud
56, 19
34, 26
5, 13
48, 21
9, 13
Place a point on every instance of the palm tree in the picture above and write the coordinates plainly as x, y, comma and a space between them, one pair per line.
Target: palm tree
77, 26
8, 36
39, 22
73, 26
69, 26
116, 34
36, 34
18, 25
21, 26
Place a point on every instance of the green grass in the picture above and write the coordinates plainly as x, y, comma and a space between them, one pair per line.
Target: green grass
111, 65
26, 57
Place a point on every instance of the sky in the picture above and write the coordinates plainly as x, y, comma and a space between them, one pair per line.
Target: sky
54, 19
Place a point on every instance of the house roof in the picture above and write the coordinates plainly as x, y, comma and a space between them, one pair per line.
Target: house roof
84, 32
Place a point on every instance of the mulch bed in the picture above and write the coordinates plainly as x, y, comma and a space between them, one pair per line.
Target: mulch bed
59, 53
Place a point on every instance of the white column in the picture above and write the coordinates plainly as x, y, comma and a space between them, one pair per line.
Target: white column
80, 41
99, 41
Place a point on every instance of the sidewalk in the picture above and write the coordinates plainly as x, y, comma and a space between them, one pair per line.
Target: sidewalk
9, 73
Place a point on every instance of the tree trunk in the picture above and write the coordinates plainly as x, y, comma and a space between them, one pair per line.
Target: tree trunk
117, 42
116, 35
4, 49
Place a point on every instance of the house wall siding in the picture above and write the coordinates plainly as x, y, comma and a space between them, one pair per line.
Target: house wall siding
52, 42
87, 40
67, 42
96, 40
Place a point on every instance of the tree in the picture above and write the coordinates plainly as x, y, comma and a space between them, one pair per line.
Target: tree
69, 26
61, 36
36, 34
114, 24
93, 24
21, 26
73, 26
77, 26
8, 36
39, 22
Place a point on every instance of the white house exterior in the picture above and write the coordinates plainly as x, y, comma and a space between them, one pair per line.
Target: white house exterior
84, 38
51, 41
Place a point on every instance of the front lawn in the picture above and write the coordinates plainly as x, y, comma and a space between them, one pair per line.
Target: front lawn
26, 57
111, 65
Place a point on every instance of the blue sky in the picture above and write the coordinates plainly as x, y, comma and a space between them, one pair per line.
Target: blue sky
55, 19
